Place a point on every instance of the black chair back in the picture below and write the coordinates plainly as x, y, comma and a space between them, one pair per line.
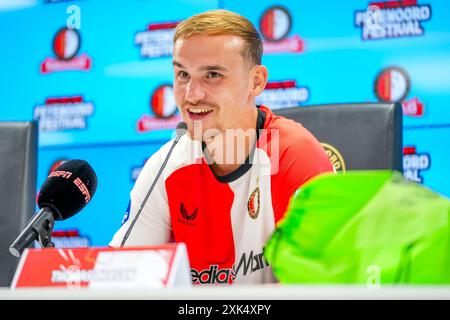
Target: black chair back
18, 158
356, 136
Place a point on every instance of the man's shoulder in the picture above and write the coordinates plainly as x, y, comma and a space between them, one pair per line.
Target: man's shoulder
292, 135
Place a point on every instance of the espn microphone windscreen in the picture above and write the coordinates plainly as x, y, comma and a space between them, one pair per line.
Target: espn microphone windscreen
68, 188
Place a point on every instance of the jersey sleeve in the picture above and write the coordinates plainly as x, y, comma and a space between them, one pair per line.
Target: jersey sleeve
153, 226
301, 159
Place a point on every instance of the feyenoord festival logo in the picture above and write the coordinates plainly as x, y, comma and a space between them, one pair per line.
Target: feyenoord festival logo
414, 163
393, 84
63, 113
66, 45
283, 94
392, 19
164, 108
275, 25
156, 41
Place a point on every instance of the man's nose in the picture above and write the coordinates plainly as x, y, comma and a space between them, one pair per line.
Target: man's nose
194, 92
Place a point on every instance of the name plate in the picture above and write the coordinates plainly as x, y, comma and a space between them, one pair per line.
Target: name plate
104, 267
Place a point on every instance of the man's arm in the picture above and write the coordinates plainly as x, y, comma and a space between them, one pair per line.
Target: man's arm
302, 160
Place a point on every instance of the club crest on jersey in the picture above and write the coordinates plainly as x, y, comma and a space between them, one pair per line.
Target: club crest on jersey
253, 203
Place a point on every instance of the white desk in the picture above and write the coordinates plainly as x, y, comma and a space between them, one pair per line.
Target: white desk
267, 292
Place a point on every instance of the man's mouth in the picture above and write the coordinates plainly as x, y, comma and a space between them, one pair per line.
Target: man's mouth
198, 113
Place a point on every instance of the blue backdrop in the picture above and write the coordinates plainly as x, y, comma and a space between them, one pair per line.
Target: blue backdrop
97, 76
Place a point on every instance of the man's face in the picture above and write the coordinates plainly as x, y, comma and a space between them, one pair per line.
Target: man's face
211, 82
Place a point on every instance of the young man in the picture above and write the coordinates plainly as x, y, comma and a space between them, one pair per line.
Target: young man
229, 180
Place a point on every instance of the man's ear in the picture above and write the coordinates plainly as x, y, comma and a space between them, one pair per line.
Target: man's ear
259, 79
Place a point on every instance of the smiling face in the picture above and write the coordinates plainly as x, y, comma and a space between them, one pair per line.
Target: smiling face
214, 86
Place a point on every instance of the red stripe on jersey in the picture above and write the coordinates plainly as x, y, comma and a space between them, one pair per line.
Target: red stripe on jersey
200, 209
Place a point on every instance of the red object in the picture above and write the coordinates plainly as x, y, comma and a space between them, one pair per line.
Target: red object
409, 150
394, 4
43, 267
161, 26
281, 84
64, 100
65, 233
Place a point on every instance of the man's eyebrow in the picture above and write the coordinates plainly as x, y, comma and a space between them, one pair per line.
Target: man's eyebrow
177, 64
213, 68
203, 68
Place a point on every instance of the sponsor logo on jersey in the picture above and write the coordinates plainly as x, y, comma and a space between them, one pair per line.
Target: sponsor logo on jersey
414, 163
283, 94
392, 19
164, 109
393, 84
247, 264
63, 113
253, 203
211, 275
275, 24
187, 216
336, 158
157, 40
66, 44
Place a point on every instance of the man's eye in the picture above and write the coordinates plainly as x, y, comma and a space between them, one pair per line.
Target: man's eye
183, 75
213, 74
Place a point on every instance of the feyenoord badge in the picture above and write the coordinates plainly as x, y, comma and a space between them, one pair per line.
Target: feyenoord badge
253, 203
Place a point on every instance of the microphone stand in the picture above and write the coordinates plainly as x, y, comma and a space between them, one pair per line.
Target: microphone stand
180, 131
42, 224
44, 227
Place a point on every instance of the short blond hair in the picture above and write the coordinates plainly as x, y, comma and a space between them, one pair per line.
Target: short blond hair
224, 22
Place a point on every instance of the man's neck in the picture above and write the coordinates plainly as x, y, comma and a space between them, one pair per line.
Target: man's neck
229, 151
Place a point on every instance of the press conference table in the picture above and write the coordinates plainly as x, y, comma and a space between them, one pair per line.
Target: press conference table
263, 292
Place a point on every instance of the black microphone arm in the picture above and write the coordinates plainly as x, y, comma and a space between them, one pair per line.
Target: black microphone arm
39, 227
180, 131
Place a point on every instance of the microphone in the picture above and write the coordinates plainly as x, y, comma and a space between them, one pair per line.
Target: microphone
66, 191
180, 130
